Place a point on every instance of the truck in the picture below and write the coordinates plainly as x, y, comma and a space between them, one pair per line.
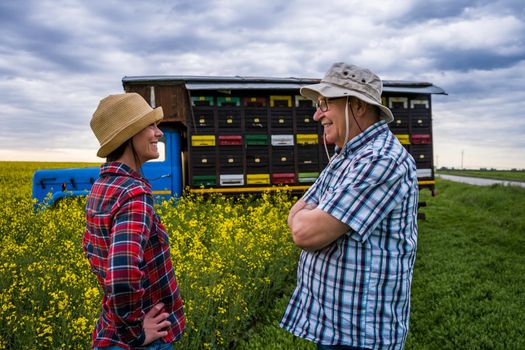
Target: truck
238, 134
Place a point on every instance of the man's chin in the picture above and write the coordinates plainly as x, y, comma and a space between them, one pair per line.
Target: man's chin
330, 140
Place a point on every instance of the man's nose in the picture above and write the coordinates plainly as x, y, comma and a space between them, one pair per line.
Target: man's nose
317, 114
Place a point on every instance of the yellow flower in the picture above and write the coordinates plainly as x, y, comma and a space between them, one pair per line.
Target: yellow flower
226, 251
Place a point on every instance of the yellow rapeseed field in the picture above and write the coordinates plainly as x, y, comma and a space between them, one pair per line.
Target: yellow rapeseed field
233, 258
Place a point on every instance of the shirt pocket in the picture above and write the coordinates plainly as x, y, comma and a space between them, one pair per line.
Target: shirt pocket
327, 193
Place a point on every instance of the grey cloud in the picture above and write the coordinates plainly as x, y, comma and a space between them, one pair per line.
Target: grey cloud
425, 10
55, 48
483, 59
422, 11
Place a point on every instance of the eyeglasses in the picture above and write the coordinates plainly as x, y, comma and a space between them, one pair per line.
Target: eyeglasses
322, 104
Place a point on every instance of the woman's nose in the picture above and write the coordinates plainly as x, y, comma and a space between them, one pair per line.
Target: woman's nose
158, 132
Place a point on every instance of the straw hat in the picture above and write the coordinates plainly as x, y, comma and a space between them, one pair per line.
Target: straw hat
343, 80
120, 117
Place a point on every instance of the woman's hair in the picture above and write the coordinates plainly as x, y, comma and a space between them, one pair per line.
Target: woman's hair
117, 153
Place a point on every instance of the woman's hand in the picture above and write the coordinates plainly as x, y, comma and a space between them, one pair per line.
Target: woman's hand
155, 321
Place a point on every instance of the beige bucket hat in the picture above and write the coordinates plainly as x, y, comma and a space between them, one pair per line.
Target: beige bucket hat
119, 118
343, 80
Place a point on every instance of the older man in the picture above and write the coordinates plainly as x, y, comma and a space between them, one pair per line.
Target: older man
357, 224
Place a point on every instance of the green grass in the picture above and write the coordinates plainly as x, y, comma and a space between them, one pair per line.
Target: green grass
488, 174
468, 288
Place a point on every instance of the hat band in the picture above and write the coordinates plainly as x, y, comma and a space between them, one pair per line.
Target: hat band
365, 93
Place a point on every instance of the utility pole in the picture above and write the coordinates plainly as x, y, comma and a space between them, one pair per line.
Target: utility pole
462, 152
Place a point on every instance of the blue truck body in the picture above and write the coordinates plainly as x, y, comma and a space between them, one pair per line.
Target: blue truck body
165, 176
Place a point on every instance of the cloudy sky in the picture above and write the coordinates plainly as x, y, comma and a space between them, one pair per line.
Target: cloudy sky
59, 58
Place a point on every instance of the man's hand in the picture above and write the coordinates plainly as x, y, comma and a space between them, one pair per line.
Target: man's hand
313, 229
299, 205
154, 323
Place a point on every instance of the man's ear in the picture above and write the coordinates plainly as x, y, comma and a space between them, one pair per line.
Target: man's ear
359, 107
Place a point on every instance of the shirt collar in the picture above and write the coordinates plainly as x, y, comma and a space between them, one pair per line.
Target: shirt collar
364, 137
117, 168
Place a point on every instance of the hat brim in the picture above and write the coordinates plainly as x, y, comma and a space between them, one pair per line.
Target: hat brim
133, 128
333, 91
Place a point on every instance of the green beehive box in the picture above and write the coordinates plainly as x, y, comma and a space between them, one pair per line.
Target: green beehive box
202, 101
256, 139
228, 101
204, 180
307, 177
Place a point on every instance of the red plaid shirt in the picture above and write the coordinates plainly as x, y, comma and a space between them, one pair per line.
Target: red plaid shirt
128, 250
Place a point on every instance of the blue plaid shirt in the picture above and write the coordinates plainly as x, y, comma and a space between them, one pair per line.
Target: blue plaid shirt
356, 291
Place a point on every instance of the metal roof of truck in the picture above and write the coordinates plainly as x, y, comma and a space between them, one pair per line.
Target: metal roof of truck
193, 82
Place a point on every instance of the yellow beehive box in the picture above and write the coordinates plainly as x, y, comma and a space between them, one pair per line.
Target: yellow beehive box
281, 101
258, 179
403, 138
202, 140
307, 139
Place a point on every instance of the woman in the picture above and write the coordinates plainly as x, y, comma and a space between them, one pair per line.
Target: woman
125, 243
